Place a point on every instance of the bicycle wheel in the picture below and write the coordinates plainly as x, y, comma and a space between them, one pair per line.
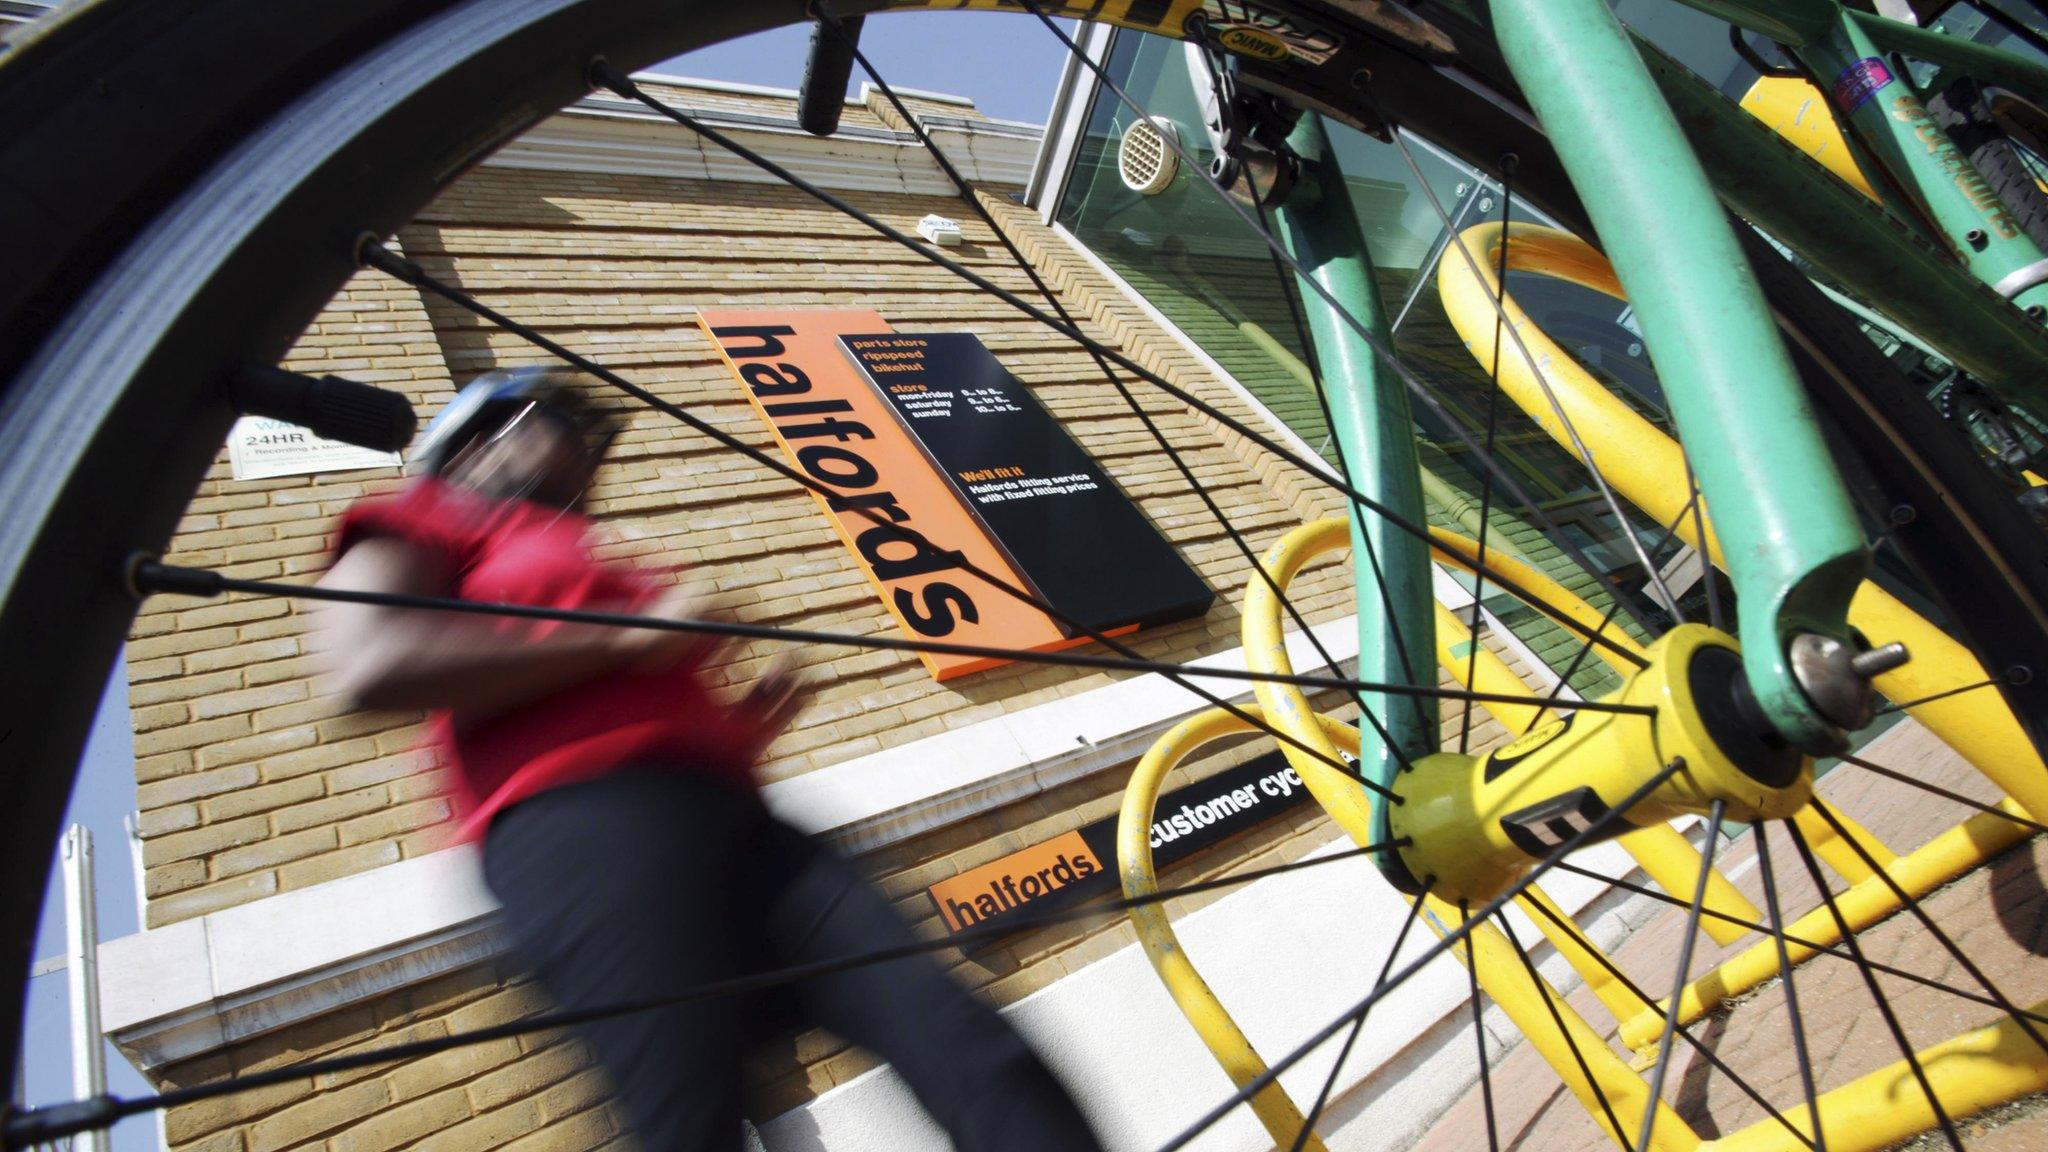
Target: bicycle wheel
1965, 112
142, 252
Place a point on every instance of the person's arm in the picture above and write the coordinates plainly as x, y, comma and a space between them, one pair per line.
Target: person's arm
418, 658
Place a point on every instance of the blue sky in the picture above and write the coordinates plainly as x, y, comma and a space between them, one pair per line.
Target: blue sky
1006, 62
105, 793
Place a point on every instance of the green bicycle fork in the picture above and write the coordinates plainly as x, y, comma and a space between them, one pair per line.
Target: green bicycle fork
1795, 553
1370, 418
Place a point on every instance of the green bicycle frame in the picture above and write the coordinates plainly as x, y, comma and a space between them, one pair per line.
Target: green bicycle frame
1855, 55
1607, 101
1370, 418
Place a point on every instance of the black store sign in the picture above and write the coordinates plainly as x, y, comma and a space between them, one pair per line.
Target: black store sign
1082, 863
1077, 540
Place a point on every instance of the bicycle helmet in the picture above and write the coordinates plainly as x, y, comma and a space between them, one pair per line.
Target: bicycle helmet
495, 400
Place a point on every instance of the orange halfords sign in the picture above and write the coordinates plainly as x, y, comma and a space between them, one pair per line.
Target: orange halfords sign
1001, 886
832, 426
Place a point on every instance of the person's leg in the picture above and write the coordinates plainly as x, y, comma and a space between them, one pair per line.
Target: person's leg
615, 891
971, 1070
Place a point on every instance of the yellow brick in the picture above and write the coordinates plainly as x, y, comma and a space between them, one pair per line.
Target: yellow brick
454, 1066
257, 747
204, 841
230, 1141
168, 878
392, 821
358, 724
486, 1131
528, 1077
158, 822
327, 809
251, 800
584, 1130
248, 700
318, 1116
235, 612
584, 1090
272, 852
191, 735
158, 716
180, 642
211, 898
400, 1126
361, 775
189, 1122
149, 769
318, 758
185, 686
335, 865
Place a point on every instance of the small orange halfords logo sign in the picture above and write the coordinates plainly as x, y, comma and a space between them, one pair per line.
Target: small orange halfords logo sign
1004, 885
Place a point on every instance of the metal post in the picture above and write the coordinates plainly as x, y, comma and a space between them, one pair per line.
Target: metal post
131, 826
82, 970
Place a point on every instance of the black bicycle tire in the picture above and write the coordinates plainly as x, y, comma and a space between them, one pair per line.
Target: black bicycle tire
124, 458
81, 443
1963, 112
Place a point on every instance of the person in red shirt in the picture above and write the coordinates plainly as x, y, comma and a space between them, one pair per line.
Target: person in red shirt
614, 795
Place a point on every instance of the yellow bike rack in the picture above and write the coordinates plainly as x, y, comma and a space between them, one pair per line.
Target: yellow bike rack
1646, 466
1969, 1073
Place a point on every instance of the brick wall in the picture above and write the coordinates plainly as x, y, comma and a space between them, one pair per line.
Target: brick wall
250, 781
253, 781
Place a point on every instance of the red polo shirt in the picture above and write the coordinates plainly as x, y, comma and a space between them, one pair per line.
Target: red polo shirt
514, 552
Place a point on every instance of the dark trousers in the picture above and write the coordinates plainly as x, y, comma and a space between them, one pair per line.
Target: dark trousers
647, 883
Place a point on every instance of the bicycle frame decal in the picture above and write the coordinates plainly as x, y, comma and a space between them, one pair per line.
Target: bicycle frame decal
1860, 81
1907, 109
1250, 30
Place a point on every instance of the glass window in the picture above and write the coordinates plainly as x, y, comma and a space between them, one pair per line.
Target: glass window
1195, 260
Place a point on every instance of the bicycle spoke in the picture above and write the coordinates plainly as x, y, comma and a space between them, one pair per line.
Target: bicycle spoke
1884, 1006
1816, 947
1565, 925
1380, 350
1944, 793
1498, 298
40, 1126
1940, 935
1479, 1029
1308, 1123
152, 577
1449, 940
968, 194
1715, 811
1500, 316
1699, 530
1372, 552
375, 255
1888, 709
1777, 933
1614, 602
1543, 992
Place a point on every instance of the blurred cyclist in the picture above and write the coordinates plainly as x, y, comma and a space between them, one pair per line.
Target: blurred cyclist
615, 797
